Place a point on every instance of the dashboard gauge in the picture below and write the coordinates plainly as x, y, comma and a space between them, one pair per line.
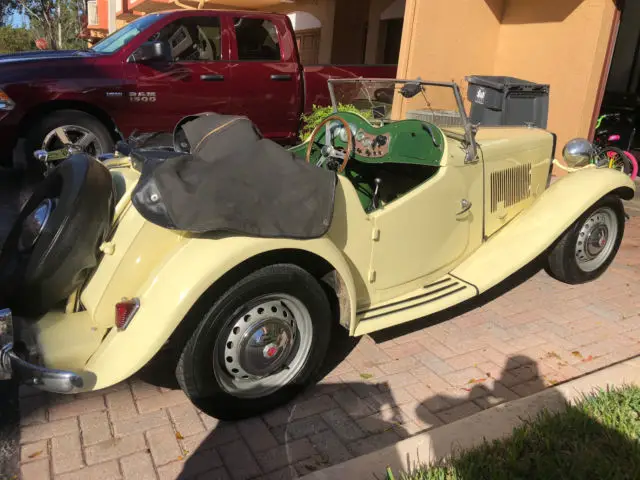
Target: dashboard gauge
367, 142
360, 136
341, 133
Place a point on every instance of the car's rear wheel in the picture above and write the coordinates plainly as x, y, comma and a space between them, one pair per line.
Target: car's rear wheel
64, 130
589, 246
259, 345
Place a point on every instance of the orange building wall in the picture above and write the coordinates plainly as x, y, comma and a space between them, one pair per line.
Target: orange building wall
559, 42
563, 43
446, 40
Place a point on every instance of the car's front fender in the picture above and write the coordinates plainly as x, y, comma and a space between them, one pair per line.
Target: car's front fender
537, 228
175, 286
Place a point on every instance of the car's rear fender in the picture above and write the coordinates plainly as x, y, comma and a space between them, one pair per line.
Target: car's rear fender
535, 229
197, 271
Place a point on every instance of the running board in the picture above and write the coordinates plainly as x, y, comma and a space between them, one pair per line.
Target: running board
432, 298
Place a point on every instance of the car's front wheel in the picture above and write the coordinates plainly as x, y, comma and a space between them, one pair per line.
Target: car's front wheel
589, 246
259, 345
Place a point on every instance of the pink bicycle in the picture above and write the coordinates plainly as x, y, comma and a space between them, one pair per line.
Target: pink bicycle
605, 142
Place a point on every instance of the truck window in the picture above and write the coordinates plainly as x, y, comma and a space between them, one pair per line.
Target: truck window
257, 39
192, 39
120, 38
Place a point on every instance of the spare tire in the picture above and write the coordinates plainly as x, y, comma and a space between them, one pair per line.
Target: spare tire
54, 243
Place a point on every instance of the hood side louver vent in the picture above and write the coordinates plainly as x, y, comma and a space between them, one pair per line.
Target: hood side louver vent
510, 186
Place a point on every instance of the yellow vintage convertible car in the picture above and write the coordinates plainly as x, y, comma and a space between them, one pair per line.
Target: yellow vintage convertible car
243, 254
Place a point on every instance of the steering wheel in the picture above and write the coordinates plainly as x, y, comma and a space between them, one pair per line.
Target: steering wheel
332, 158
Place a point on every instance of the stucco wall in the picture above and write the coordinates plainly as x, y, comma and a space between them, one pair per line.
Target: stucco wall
560, 42
563, 43
446, 40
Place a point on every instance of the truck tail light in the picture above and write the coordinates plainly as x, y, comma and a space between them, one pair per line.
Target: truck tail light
125, 311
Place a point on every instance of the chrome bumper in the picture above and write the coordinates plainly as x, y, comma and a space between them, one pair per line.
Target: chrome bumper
57, 381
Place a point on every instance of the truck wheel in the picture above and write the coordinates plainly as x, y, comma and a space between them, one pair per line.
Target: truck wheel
259, 345
63, 128
589, 246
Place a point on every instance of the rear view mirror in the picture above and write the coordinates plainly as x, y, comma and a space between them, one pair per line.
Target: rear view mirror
156, 51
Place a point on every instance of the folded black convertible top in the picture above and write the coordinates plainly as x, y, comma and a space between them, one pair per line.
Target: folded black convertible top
234, 181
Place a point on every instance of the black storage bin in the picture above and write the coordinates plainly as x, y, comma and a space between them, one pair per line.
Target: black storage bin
499, 100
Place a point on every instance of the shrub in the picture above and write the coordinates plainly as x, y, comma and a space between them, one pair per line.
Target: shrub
15, 40
311, 121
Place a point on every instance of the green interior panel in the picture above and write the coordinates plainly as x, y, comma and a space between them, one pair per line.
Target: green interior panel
415, 152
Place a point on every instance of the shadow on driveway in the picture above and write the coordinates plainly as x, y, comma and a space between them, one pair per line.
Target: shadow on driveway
579, 447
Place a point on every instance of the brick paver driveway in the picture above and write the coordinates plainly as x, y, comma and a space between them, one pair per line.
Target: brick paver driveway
537, 334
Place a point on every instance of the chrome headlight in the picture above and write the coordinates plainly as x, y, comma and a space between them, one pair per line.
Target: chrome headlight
6, 103
577, 152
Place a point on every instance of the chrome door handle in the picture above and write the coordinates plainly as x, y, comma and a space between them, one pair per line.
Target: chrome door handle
465, 205
212, 78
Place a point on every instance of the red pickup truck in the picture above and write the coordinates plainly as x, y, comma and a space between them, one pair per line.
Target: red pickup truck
154, 71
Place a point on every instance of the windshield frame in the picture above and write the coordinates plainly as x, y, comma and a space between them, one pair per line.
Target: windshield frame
469, 131
151, 18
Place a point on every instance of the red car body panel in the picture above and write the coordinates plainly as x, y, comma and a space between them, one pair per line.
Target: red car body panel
272, 93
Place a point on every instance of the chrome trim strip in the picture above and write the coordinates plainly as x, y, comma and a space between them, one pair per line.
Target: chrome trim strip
408, 300
459, 289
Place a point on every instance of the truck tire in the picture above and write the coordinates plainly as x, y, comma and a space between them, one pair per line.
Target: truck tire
259, 345
589, 246
77, 126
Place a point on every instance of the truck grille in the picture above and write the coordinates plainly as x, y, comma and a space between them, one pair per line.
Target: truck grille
510, 186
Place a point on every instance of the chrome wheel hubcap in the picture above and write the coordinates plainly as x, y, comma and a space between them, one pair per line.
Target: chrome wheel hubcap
34, 224
68, 139
596, 239
266, 346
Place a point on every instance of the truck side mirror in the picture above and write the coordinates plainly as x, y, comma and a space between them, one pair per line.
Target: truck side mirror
155, 51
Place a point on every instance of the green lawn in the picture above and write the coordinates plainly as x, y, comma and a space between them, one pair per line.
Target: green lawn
597, 439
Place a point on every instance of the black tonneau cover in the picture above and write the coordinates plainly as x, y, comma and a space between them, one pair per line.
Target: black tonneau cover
234, 181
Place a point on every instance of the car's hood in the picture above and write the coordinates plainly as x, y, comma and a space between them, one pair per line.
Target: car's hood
47, 55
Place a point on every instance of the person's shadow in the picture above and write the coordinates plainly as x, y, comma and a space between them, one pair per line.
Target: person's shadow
368, 418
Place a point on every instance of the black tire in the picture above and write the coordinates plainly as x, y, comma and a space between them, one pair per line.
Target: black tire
46, 124
35, 279
195, 372
627, 167
562, 263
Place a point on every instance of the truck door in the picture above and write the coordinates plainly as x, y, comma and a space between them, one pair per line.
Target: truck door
196, 81
266, 74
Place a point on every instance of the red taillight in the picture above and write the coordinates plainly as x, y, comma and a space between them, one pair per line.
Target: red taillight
125, 311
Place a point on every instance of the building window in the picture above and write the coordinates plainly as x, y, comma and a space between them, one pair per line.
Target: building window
192, 39
257, 39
